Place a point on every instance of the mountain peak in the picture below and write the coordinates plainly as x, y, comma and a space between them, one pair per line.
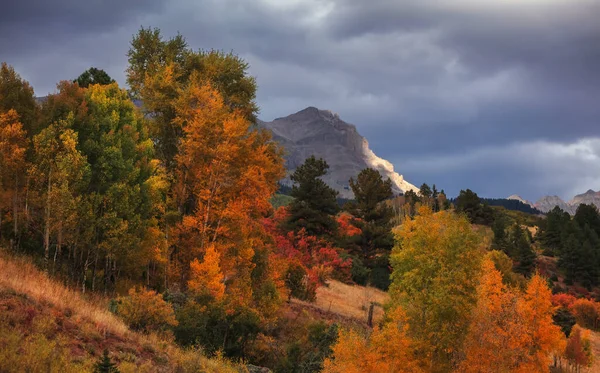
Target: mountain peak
312, 112
321, 133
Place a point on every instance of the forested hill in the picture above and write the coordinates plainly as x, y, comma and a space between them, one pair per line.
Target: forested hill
511, 204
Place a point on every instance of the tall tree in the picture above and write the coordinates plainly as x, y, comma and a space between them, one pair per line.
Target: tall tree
523, 252
159, 69
376, 239
436, 262
488, 345
93, 76
510, 331
226, 172
13, 147
58, 173
469, 203
314, 202
17, 94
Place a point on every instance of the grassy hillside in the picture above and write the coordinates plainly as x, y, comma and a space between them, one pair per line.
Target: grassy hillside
46, 327
350, 302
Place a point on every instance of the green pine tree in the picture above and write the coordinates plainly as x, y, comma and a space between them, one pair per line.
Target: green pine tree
315, 203
525, 255
105, 365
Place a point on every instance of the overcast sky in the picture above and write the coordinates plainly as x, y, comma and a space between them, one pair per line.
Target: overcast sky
501, 98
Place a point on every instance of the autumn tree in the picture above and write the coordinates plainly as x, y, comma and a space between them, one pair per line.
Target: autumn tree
13, 147
388, 349
436, 265
59, 174
315, 203
93, 76
488, 345
579, 352
226, 172
206, 276
536, 332
17, 94
160, 68
511, 331
116, 227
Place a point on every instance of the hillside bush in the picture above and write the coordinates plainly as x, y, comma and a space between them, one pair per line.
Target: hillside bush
145, 310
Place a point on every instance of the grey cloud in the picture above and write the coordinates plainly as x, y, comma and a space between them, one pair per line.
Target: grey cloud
420, 79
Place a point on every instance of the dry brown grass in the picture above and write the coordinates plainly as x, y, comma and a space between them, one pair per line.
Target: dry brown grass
85, 327
351, 301
19, 275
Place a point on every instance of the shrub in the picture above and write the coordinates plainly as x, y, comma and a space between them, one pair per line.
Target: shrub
586, 312
214, 327
565, 319
146, 310
299, 284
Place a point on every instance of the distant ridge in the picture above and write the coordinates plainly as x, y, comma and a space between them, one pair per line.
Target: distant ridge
547, 203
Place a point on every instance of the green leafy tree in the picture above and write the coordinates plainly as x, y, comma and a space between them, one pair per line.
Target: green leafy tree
93, 76
436, 265
60, 175
315, 202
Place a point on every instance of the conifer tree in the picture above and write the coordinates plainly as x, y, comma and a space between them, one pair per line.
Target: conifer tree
376, 239
105, 365
524, 254
315, 202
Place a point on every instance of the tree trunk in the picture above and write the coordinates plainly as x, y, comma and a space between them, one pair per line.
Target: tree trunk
85, 268
94, 270
47, 223
58, 245
15, 215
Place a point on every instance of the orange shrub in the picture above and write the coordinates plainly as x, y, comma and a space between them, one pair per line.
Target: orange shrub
586, 312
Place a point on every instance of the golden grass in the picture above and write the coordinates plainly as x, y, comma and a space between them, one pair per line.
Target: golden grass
19, 275
351, 301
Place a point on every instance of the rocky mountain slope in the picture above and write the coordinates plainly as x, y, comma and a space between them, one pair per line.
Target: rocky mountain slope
547, 203
323, 134
516, 197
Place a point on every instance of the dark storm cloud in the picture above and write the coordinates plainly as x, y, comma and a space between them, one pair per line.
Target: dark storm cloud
449, 90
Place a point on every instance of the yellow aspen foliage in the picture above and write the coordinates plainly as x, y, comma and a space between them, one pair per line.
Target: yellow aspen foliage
206, 276
13, 145
436, 261
387, 350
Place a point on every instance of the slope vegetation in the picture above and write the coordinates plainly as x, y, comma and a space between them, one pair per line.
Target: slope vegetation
46, 327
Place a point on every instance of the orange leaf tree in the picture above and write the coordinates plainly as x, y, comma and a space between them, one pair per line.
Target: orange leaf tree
226, 172
387, 350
